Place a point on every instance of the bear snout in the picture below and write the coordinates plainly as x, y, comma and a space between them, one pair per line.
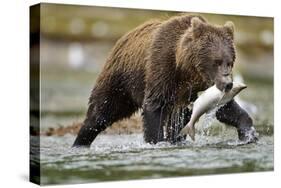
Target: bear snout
228, 87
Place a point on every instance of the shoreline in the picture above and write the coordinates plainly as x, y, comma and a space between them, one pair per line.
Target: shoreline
126, 126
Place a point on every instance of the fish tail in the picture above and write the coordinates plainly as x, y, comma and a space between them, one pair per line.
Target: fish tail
190, 130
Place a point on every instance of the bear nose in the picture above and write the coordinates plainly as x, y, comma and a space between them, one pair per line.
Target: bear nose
228, 87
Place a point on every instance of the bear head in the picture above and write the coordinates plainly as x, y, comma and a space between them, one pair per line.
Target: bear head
208, 50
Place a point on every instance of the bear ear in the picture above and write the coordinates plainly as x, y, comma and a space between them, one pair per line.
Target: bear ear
229, 26
197, 27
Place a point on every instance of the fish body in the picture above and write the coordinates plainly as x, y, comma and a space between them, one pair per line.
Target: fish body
208, 100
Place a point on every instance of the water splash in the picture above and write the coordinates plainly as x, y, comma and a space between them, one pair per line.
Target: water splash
129, 157
206, 122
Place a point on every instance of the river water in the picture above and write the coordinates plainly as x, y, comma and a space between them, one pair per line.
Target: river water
123, 157
126, 156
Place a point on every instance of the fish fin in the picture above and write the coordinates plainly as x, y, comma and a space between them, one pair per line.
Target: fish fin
190, 106
190, 130
183, 132
209, 111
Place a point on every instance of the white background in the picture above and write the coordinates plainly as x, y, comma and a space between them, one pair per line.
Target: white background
14, 90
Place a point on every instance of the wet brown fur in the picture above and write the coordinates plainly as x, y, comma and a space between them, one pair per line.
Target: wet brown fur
158, 63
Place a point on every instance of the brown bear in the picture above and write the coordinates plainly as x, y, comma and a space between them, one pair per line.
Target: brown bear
160, 67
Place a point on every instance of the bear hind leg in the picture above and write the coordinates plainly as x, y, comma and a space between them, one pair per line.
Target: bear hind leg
102, 114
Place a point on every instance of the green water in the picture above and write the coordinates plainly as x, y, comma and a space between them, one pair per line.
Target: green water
123, 157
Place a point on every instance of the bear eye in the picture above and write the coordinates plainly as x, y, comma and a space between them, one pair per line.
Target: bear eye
230, 64
218, 62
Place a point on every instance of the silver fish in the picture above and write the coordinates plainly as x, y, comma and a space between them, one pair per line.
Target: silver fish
208, 100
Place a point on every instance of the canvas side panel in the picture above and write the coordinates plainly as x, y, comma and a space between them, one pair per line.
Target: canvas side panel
34, 111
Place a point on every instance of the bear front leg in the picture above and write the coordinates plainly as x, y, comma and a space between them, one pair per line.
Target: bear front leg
177, 120
153, 123
232, 114
90, 129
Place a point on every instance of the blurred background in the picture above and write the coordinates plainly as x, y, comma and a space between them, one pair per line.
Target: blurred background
75, 41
